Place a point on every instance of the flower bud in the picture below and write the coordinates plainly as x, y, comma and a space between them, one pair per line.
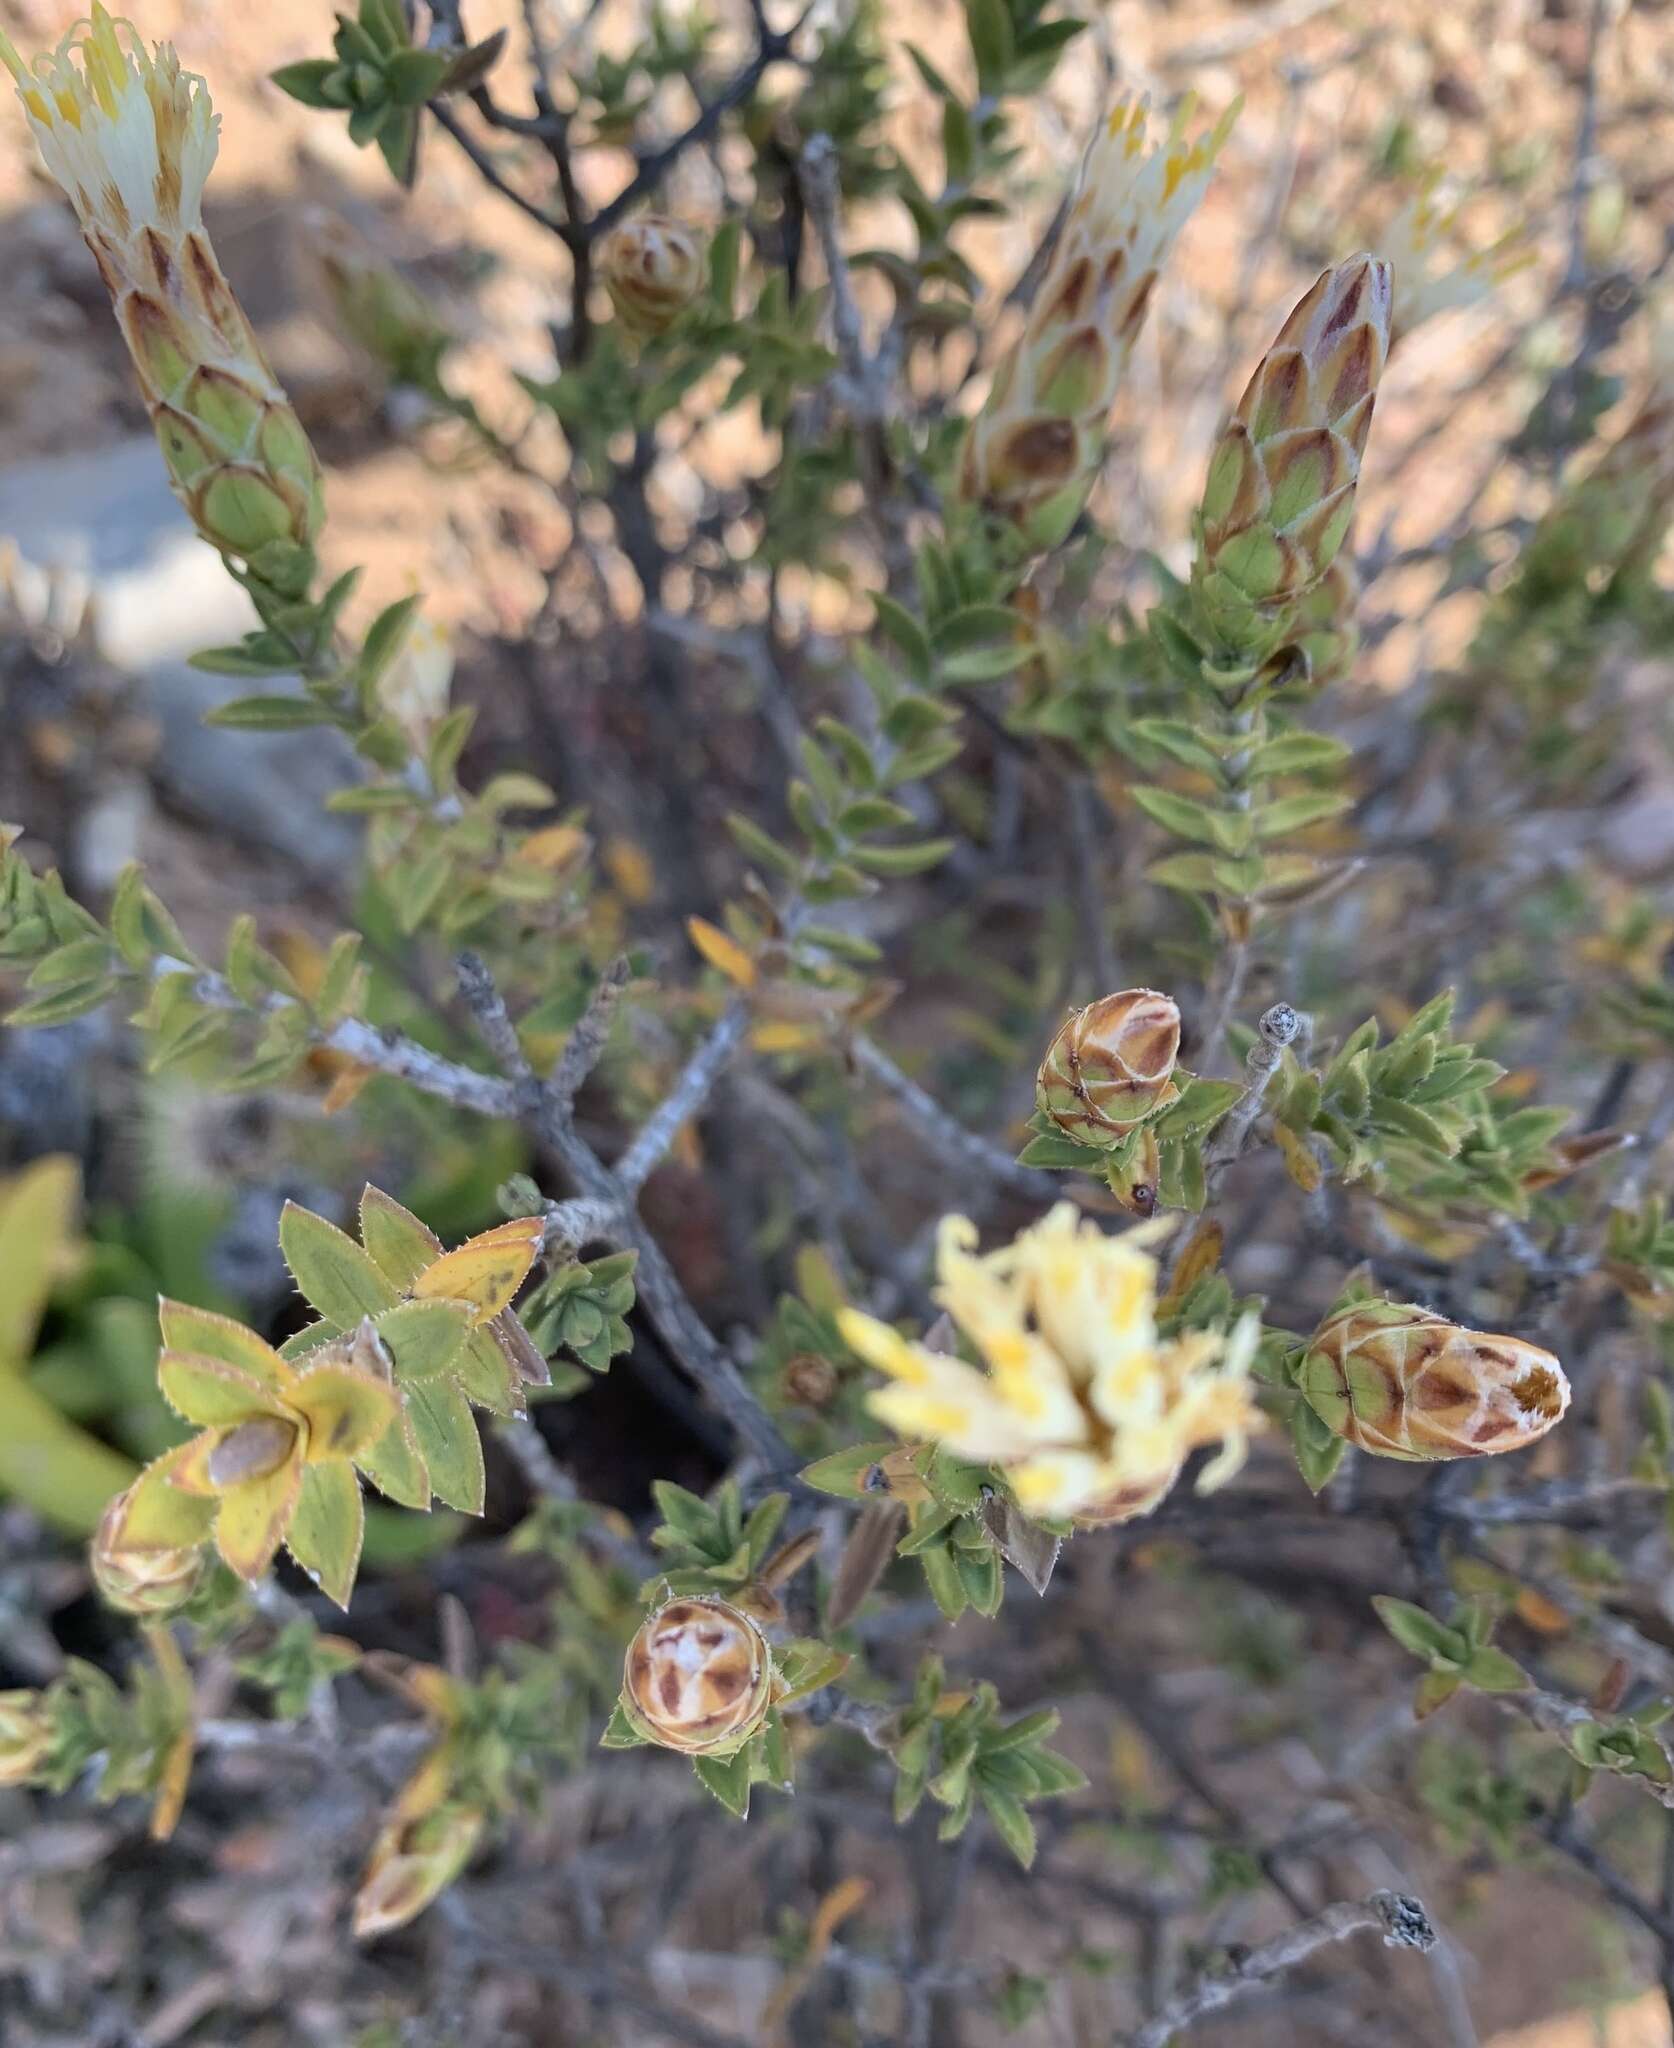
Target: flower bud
1280, 490
141, 1580
1110, 1066
131, 138
1033, 451
25, 1735
653, 269
698, 1677
1403, 1382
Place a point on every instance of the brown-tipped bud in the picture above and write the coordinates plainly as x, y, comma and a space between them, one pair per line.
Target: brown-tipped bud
1403, 1382
141, 1580
1280, 490
1110, 1065
653, 269
25, 1735
698, 1677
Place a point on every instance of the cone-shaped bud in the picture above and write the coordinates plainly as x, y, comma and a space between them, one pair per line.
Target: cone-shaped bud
25, 1735
1280, 490
698, 1677
653, 268
367, 301
1403, 1382
141, 1579
1110, 1065
131, 138
1033, 451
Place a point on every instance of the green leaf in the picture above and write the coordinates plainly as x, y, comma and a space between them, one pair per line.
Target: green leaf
425, 1337
1491, 1670
395, 1466
1228, 830
844, 1472
901, 860
899, 625
332, 1271
328, 1527
1201, 1105
728, 1778
1318, 1451
310, 82
620, 1732
1010, 1817
988, 23
273, 714
1294, 813
446, 1434
399, 1245
1418, 1632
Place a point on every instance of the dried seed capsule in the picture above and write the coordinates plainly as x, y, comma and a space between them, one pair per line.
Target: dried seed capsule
1280, 490
141, 1581
1110, 1065
653, 269
1403, 1382
698, 1677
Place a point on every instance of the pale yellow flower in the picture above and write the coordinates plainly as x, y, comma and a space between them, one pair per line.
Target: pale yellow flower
1034, 449
131, 138
1089, 1412
1433, 274
129, 135
414, 689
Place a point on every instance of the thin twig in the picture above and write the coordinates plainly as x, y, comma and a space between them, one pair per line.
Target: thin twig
586, 1043
1279, 1027
385, 1052
1400, 1919
945, 1135
684, 1099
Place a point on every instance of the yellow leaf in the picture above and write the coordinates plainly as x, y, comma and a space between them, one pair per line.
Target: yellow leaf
1202, 1255
629, 867
486, 1271
721, 951
776, 1035
253, 1516
349, 1081
1300, 1162
553, 848
346, 1410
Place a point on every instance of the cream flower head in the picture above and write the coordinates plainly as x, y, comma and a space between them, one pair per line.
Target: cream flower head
1081, 1402
129, 135
1432, 274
